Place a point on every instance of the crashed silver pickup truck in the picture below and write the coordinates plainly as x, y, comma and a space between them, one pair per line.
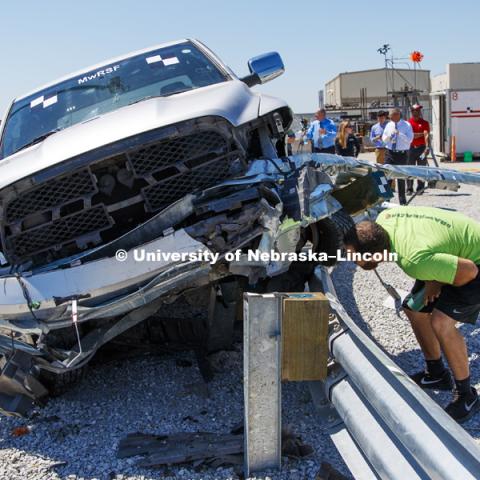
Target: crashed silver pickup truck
161, 150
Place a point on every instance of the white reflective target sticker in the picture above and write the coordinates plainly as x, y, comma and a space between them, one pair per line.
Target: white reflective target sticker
154, 59
171, 61
36, 102
50, 101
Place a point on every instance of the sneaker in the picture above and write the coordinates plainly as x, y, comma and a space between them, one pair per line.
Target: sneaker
463, 406
425, 380
402, 201
410, 191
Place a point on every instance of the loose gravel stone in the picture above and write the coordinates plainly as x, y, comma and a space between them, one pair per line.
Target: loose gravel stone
76, 435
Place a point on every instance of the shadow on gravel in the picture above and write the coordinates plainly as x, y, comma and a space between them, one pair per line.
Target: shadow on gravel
343, 279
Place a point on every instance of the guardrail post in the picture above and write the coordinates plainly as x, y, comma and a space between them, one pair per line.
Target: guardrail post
262, 381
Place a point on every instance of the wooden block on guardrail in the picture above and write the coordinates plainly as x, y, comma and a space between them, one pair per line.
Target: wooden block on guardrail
305, 336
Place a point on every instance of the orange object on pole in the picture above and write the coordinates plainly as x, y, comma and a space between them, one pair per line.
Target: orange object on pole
416, 56
453, 149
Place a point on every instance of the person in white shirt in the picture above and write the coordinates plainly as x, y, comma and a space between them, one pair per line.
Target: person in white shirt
397, 137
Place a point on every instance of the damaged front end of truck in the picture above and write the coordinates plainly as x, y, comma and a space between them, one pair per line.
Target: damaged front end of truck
55, 315
196, 166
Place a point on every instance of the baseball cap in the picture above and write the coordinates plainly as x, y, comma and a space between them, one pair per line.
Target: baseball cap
416, 106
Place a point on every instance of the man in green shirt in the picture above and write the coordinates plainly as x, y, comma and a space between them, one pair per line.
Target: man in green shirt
441, 250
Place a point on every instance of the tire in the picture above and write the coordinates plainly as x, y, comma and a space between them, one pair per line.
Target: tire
330, 233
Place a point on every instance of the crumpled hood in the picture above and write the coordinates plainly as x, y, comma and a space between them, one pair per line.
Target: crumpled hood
232, 100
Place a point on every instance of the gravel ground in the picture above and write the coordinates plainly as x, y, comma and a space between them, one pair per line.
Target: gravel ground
75, 436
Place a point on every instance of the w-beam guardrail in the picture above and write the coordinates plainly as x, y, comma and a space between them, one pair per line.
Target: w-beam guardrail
400, 431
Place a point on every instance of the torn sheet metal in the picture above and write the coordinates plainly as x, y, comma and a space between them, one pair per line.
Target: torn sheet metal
443, 178
335, 163
19, 389
305, 197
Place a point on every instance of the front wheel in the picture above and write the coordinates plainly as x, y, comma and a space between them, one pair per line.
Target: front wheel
328, 234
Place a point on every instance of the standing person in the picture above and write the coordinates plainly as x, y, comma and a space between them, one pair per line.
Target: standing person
397, 136
322, 133
302, 135
290, 142
376, 136
419, 147
346, 143
441, 251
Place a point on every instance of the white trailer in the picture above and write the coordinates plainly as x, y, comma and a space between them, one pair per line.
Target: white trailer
456, 111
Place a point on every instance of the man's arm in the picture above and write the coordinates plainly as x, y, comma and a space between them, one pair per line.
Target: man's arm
432, 291
407, 132
331, 127
330, 130
445, 268
375, 137
357, 146
466, 272
309, 133
387, 133
426, 134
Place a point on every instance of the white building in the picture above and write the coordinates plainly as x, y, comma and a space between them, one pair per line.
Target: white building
362, 93
456, 110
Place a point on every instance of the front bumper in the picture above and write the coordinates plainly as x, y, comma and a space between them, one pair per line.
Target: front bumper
114, 287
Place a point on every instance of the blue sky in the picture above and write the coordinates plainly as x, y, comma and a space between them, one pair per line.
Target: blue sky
41, 41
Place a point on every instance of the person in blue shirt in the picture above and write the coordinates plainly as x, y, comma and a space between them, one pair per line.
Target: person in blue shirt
376, 136
322, 133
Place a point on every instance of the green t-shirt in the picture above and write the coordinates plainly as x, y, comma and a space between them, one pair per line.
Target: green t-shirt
428, 241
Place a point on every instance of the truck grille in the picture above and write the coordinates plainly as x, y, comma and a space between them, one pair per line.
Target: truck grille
56, 192
171, 189
112, 194
170, 152
71, 227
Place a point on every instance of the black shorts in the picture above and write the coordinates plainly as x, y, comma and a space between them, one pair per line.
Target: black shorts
460, 303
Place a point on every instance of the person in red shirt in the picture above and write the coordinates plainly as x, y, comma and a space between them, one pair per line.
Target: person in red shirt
418, 152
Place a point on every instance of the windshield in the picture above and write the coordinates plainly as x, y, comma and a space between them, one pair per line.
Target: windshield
160, 72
